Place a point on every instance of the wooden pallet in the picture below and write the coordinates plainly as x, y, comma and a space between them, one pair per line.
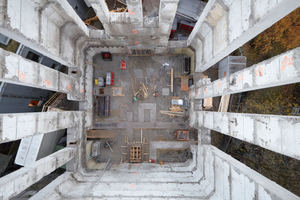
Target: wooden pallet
135, 154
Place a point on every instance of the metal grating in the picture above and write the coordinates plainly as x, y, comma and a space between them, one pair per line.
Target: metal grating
141, 52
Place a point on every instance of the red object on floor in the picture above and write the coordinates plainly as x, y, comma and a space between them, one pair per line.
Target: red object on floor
123, 65
112, 79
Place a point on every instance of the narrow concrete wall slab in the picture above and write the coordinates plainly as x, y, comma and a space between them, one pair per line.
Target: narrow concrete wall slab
279, 70
18, 70
21, 125
274, 132
235, 181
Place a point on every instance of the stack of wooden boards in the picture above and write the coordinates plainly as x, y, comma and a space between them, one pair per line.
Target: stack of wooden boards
174, 111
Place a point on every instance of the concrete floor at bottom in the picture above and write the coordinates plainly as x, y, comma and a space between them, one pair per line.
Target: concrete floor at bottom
140, 122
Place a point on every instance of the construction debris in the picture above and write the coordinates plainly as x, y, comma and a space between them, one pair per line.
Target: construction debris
143, 89
174, 111
53, 102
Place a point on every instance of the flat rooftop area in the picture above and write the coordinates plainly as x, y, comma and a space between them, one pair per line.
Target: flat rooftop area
136, 101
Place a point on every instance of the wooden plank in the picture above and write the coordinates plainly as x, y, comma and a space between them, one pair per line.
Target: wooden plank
172, 80
223, 107
208, 103
100, 134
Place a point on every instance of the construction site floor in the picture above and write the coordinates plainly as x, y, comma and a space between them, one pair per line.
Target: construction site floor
139, 121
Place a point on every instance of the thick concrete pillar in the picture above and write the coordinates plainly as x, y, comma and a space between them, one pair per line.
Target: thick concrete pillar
15, 182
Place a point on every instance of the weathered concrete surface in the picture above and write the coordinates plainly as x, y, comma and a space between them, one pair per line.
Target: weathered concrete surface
235, 180
232, 180
130, 29
48, 27
279, 70
152, 125
40, 26
167, 12
136, 7
226, 25
274, 132
211, 174
18, 70
15, 182
142, 183
21, 125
